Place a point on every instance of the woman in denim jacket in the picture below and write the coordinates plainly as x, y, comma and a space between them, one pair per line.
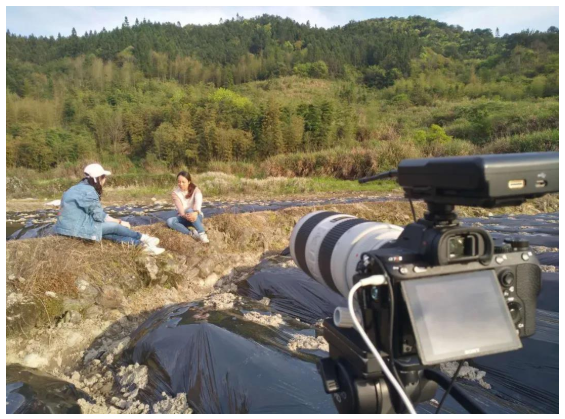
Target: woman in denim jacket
81, 215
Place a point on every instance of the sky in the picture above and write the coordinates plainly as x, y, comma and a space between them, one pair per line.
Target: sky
46, 21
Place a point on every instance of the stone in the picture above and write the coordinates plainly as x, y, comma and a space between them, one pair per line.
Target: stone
34, 361
110, 297
206, 268
72, 304
74, 338
211, 280
152, 268
72, 316
22, 313
86, 290
191, 274
93, 312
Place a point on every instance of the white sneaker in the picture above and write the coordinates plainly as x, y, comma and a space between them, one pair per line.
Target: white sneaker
149, 240
153, 250
203, 237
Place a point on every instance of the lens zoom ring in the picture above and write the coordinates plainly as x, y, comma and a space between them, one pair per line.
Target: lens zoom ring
327, 248
302, 238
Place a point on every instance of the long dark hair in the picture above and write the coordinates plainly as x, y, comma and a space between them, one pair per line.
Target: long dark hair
191, 186
95, 183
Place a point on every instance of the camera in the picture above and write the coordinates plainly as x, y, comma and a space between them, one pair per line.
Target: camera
447, 292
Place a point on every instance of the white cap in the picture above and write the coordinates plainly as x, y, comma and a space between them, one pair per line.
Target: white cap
95, 170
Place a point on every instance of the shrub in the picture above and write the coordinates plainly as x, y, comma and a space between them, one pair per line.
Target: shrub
434, 135
537, 141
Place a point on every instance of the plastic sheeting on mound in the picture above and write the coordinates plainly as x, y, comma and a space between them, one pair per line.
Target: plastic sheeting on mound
226, 363
31, 391
34, 224
292, 292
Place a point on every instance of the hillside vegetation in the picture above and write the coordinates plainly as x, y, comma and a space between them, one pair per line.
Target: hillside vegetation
271, 97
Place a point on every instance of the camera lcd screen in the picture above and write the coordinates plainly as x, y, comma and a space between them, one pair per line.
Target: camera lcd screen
459, 316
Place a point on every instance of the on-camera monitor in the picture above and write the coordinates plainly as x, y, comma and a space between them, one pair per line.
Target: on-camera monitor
459, 316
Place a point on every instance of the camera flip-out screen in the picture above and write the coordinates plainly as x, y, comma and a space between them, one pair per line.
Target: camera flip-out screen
459, 316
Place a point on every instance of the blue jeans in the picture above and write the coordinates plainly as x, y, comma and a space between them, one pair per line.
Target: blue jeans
119, 233
182, 224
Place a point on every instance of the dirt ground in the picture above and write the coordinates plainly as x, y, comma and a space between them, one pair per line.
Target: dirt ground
71, 305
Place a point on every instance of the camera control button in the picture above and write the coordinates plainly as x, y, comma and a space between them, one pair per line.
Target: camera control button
503, 248
499, 259
506, 278
420, 269
525, 256
403, 270
517, 243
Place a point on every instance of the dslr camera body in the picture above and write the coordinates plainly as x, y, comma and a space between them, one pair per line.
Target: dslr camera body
452, 293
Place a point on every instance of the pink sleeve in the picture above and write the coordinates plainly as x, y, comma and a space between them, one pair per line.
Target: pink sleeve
178, 204
198, 201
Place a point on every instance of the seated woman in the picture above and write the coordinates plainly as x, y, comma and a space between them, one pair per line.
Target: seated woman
81, 214
187, 198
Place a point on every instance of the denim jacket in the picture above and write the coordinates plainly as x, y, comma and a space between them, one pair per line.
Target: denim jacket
81, 214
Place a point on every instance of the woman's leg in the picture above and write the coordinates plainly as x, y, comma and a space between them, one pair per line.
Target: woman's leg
197, 224
119, 233
179, 224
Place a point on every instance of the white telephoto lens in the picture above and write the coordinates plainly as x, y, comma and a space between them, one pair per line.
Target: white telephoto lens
327, 246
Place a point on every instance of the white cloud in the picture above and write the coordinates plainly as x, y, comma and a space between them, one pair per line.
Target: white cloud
507, 19
51, 20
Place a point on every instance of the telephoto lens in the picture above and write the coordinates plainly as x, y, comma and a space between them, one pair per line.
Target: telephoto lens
327, 246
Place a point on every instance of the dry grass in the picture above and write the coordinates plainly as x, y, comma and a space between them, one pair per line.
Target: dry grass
342, 163
55, 263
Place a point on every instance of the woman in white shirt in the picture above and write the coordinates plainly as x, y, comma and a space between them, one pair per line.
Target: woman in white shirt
187, 198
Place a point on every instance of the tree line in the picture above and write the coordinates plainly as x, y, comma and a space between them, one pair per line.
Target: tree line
174, 94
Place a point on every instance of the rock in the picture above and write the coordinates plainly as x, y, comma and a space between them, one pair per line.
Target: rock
222, 301
206, 268
211, 280
34, 361
111, 315
22, 313
86, 290
110, 297
168, 405
467, 372
268, 320
72, 316
21, 280
50, 294
74, 338
191, 274
300, 341
55, 203
93, 312
265, 301
71, 304
152, 268
12, 277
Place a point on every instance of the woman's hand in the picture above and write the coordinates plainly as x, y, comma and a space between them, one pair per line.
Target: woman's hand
191, 216
125, 224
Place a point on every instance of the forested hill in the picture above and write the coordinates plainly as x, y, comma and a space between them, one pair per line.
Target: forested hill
242, 50
245, 90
